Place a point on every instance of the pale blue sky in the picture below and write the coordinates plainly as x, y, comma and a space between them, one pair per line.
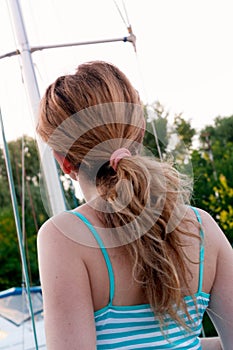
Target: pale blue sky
184, 52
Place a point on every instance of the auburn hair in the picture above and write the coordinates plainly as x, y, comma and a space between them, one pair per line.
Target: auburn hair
87, 116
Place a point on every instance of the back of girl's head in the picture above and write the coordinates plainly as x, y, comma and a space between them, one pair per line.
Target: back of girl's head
81, 111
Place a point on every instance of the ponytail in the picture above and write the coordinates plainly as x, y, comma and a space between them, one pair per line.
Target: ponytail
148, 198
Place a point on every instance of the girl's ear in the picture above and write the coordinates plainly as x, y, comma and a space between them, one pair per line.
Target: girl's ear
64, 163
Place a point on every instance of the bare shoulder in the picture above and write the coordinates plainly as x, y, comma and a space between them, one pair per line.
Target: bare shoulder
213, 232
217, 238
57, 247
66, 227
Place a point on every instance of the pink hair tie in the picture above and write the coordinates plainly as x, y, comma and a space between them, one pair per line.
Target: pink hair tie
117, 156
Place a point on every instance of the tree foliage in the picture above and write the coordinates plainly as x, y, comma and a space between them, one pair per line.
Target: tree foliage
210, 163
27, 177
213, 169
156, 135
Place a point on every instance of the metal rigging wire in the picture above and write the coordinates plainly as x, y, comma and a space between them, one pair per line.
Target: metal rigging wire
18, 228
125, 19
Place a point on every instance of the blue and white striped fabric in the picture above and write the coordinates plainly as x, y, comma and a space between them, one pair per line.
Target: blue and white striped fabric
137, 327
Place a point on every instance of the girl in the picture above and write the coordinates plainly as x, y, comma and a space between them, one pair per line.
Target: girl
135, 267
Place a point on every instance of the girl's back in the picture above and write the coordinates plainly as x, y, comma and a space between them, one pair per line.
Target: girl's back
96, 283
127, 291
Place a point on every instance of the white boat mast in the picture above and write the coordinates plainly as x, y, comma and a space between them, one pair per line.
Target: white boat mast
52, 181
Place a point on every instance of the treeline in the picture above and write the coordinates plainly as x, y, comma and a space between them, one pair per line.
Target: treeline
26, 171
207, 157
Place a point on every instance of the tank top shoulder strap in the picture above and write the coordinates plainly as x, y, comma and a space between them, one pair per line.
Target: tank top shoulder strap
202, 251
103, 250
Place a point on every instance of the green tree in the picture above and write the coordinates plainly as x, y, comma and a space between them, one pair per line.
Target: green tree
35, 212
175, 139
221, 203
213, 168
4, 189
210, 163
156, 135
184, 130
10, 272
180, 145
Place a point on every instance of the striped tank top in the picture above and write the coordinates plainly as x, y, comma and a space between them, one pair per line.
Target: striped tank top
136, 326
